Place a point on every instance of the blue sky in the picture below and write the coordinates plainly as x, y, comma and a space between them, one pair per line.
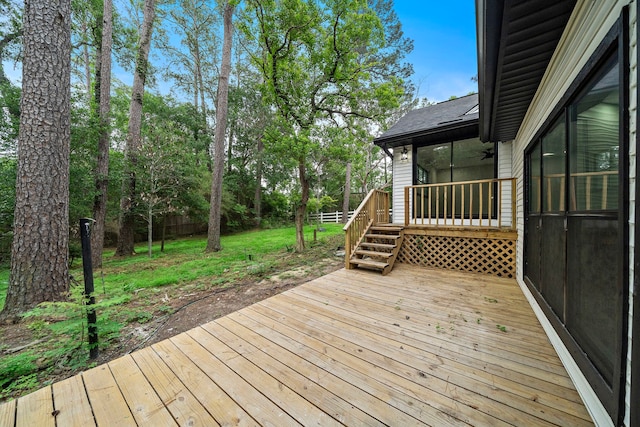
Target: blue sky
444, 36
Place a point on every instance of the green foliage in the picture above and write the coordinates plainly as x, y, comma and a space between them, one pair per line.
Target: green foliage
9, 114
7, 204
324, 203
18, 365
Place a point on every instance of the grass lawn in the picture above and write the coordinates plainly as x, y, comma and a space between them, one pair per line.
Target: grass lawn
130, 291
184, 261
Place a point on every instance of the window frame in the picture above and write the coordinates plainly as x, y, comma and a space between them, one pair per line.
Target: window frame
616, 41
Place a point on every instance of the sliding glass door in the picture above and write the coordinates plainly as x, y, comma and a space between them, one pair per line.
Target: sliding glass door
574, 234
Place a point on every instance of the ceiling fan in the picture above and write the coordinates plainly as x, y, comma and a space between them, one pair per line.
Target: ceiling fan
487, 154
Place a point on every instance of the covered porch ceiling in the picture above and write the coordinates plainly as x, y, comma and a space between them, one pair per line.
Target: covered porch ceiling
516, 40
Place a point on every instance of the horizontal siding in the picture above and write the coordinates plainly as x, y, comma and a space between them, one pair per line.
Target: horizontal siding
402, 177
588, 25
505, 171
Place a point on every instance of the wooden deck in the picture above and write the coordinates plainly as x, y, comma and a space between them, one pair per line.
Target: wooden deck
416, 347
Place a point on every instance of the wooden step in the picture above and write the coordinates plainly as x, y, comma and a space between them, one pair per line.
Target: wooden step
373, 254
382, 236
386, 228
377, 245
369, 263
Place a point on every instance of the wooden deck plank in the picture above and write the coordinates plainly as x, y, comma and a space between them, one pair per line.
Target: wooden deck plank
480, 339
445, 351
295, 405
225, 410
8, 413
465, 300
145, 405
184, 407
425, 306
430, 407
36, 409
490, 400
71, 403
341, 333
351, 348
107, 402
242, 340
258, 406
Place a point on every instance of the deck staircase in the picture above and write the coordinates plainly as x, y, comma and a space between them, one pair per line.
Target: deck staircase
379, 247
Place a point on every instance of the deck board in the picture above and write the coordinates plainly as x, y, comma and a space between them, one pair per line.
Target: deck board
107, 402
71, 403
415, 347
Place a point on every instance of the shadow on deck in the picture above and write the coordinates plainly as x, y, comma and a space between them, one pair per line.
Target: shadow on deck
416, 347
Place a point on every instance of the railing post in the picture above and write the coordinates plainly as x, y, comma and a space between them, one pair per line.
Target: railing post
406, 205
513, 204
87, 267
347, 249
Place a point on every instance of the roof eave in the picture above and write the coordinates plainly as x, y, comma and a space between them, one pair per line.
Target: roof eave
507, 31
406, 138
488, 15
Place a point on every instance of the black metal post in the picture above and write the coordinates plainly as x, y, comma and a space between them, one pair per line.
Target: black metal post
87, 269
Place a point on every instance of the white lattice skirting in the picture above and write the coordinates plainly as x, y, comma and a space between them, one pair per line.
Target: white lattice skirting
494, 256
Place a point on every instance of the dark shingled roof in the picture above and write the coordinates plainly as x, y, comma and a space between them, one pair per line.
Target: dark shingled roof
435, 122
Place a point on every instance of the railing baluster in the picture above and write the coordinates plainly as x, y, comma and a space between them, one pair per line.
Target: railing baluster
480, 204
490, 202
588, 192
437, 205
421, 206
453, 204
446, 204
605, 185
470, 204
429, 201
561, 195
462, 204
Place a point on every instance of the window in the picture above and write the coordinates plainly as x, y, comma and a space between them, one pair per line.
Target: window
573, 229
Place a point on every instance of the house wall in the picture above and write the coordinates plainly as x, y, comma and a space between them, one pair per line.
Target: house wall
402, 177
588, 25
505, 171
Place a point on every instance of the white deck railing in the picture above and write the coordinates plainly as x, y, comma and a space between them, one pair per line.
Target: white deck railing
488, 203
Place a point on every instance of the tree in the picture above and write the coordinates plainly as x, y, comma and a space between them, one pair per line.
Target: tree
168, 175
322, 63
126, 221
101, 174
39, 255
213, 236
194, 22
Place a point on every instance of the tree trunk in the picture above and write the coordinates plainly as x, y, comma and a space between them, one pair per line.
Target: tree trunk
164, 232
127, 200
257, 200
87, 64
150, 231
102, 164
213, 238
302, 208
40, 251
347, 193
